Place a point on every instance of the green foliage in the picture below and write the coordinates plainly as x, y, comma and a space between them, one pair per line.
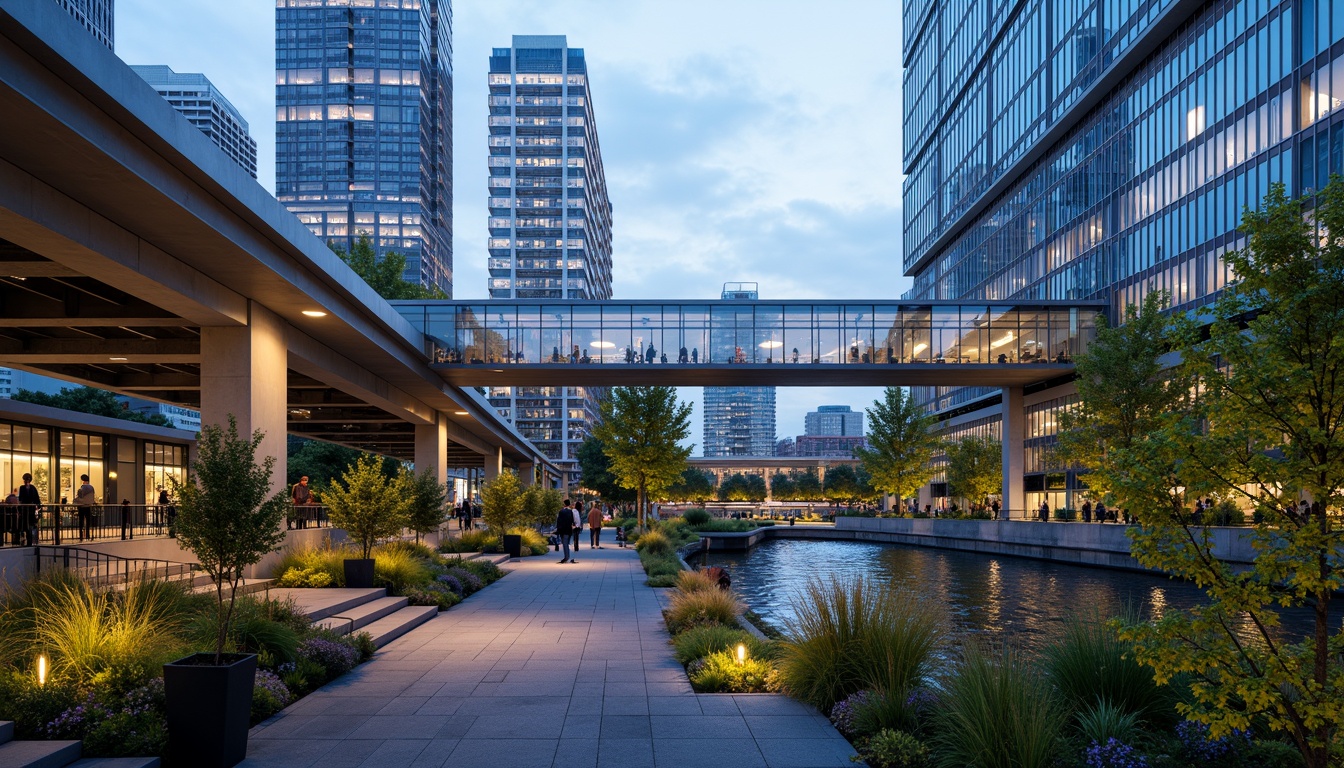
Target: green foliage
90, 633
998, 713
367, 504
323, 559
846, 484
641, 432
322, 462
697, 517
1226, 512
305, 577
428, 498
974, 468
662, 581
256, 634
808, 485
432, 594
686, 610
895, 749
901, 444
533, 541
226, 514
473, 541
502, 502
740, 487
701, 641
397, 567
722, 673
1262, 428
595, 472
363, 642
1087, 660
783, 487
654, 543
383, 275
1101, 720
98, 402
695, 485
851, 635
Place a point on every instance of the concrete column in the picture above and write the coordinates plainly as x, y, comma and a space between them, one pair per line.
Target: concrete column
244, 373
494, 465
1014, 454
431, 447
527, 473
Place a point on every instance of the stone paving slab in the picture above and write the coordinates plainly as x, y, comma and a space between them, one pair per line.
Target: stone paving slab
553, 666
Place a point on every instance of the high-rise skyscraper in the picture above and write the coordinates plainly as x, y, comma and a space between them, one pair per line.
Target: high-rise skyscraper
206, 108
96, 16
550, 217
738, 421
363, 131
1105, 153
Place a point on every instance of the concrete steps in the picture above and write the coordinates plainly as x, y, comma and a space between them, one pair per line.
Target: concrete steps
362, 615
58, 754
201, 584
389, 628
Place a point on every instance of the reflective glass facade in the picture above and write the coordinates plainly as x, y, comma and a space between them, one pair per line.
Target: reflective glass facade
205, 107
1082, 149
501, 333
550, 216
363, 131
739, 421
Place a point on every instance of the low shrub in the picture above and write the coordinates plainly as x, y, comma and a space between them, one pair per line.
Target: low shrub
451, 582
484, 570
666, 580
398, 567
1226, 513
722, 673
1114, 753
335, 658
304, 577
844, 715
325, 559
733, 526
362, 642
470, 582
895, 749
998, 713
1103, 722
882, 711
695, 581
654, 543
269, 695
32, 706
696, 517
850, 635
302, 675
687, 610
699, 642
533, 541
434, 593
480, 541
1065, 515
662, 566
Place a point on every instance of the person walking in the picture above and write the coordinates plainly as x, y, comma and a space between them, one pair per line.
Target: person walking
578, 523
464, 515
595, 526
564, 528
1087, 511
1044, 512
302, 496
11, 519
1101, 511
30, 502
84, 501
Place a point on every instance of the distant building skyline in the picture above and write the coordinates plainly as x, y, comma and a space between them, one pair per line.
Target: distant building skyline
363, 131
204, 106
833, 420
738, 421
550, 218
97, 16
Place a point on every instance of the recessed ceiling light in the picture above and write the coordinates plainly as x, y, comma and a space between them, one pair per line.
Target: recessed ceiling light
314, 313
117, 359
496, 370
459, 413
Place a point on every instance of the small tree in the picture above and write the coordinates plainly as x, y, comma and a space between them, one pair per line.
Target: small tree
808, 486
901, 445
227, 515
502, 502
783, 487
385, 275
641, 431
428, 500
695, 485
595, 472
974, 468
842, 484
367, 504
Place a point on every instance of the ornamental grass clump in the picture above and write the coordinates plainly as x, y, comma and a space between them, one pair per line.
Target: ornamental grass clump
1088, 661
695, 581
852, 634
687, 610
310, 560
701, 641
398, 567
89, 633
998, 712
1102, 722
722, 672
654, 544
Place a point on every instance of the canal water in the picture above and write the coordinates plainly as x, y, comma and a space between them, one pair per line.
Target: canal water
1009, 599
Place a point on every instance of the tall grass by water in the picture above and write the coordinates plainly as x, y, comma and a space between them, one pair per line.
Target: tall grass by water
852, 634
690, 609
998, 711
1087, 662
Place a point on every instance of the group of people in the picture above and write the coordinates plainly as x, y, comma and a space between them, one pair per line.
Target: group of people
20, 513
465, 513
569, 527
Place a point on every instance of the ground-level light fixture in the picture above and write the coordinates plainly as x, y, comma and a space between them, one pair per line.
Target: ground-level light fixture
741, 653
42, 669
314, 313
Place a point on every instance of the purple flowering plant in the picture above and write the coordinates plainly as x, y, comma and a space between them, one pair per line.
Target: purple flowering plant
844, 713
1114, 754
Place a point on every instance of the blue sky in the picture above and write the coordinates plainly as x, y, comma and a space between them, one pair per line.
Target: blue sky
754, 140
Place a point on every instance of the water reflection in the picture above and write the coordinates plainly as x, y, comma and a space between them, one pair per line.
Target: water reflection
1006, 598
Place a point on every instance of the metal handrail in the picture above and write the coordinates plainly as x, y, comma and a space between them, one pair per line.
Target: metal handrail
103, 570
21, 525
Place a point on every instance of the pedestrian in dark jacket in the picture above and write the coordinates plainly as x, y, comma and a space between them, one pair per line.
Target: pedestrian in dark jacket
564, 528
29, 502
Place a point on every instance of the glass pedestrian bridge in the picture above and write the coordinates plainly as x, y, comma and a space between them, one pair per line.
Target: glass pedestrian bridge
712, 343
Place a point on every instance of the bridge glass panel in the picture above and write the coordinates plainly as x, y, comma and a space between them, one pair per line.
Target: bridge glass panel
828, 338
916, 337
1034, 327
527, 338
588, 336
799, 334
768, 333
886, 334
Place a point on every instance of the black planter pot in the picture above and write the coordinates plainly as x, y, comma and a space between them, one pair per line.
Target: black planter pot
513, 545
208, 709
359, 573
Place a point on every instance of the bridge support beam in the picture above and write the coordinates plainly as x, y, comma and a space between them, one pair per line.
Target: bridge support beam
527, 474
494, 465
1014, 454
431, 448
244, 374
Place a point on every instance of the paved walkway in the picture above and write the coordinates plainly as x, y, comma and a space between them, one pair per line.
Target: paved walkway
551, 666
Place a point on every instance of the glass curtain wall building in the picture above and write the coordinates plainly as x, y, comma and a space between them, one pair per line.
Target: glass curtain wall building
740, 421
1102, 150
96, 15
205, 107
363, 126
550, 217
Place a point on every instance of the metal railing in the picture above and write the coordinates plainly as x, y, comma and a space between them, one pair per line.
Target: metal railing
103, 571
307, 516
59, 524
